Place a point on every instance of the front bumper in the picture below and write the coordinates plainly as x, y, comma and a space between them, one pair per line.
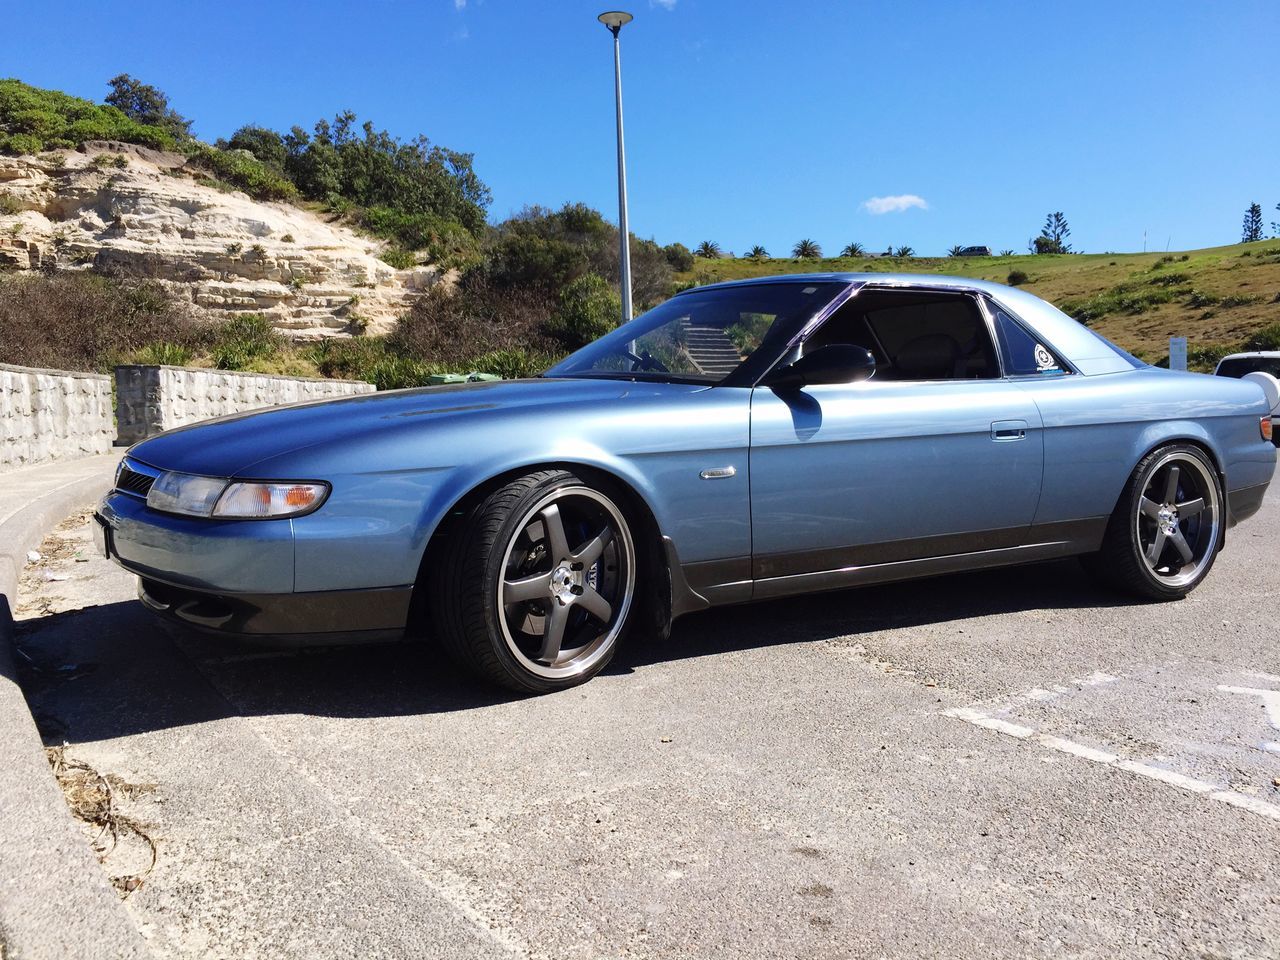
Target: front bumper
300, 618
237, 577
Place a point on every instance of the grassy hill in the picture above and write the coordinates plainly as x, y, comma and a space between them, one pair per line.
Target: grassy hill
1221, 298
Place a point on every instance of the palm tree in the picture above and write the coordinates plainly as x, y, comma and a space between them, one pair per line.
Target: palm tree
758, 253
854, 250
904, 252
955, 251
1007, 253
806, 250
708, 249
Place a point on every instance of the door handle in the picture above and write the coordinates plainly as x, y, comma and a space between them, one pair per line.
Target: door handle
1006, 430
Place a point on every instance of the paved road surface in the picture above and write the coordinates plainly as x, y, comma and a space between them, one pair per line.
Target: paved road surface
1003, 764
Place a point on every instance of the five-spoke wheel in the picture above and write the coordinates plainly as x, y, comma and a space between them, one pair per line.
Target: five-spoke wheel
1167, 527
539, 584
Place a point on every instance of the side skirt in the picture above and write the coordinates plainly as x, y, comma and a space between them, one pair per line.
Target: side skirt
720, 582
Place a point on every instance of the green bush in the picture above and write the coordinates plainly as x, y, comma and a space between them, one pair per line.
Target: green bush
679, 256
243, 339
242, 170
588, 309
1268, 338
165, 354
1017, 277
513, 364
400, 259
32, 119
446, 242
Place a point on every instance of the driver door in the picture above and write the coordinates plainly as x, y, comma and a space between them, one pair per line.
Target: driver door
936, 455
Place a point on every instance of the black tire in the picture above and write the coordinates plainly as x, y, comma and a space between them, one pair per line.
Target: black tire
504, 547
1154, 546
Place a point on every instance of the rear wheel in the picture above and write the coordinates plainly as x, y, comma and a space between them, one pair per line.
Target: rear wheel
1164, 535
538, 585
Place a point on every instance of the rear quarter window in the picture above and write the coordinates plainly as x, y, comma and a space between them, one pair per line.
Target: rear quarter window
1024, 355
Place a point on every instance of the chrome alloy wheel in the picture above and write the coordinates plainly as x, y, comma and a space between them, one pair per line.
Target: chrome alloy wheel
1178, 519
561, 607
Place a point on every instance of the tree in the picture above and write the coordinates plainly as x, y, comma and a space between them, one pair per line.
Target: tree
758, 253
679, 256
1007, 253
854, 249
1252, 230
146, 104
1053, 235
708, 250
806, 250
1275, 227
265, 144
955, 251
904, 252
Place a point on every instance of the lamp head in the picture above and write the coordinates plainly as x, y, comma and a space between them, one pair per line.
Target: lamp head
615, 20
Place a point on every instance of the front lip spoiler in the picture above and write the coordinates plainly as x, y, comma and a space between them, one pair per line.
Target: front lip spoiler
297, 619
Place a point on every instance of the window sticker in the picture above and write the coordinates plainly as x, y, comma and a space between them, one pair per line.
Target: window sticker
1044, 359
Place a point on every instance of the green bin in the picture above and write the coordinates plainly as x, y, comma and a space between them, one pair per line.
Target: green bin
438, 378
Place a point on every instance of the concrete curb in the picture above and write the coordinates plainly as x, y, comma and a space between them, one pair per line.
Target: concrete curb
55, 901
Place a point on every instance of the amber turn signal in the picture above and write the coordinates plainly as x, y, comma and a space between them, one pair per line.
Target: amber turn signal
1266, 426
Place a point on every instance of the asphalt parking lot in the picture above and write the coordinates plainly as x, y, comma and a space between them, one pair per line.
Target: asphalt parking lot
1006, 764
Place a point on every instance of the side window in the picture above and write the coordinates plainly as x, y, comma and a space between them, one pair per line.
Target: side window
915, 335
1024, 355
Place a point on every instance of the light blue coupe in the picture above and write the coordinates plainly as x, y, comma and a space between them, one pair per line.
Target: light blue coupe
740, 441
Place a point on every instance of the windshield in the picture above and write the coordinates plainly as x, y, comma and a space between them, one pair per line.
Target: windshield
703, 335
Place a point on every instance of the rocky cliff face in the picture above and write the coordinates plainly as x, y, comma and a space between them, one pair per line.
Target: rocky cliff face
120, 207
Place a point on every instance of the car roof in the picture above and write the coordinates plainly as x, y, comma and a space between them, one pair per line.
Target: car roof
1088, 352
1251, 354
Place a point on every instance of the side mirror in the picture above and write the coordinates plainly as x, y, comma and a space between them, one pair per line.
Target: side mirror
834, 363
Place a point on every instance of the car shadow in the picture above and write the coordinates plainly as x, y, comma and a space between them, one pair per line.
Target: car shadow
114, 670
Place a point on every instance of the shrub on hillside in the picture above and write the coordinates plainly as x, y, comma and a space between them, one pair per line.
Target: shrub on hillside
588, 309
679, 257
243, 339
32, 119
1017, 278
1268, 338
79, 321
450, 328
242, 170
552, 248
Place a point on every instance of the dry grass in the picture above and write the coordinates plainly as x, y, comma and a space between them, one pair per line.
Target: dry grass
94, 798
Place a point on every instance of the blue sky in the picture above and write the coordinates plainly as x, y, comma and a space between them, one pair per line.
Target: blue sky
751, 122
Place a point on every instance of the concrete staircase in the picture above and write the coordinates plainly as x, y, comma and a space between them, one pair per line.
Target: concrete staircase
711, 350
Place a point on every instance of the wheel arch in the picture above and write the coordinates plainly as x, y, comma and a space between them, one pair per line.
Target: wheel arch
1160, 435
654, 608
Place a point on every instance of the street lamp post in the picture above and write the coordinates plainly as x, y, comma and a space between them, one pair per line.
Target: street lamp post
615, 20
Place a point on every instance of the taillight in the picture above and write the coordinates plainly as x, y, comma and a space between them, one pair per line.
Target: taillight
1265, 426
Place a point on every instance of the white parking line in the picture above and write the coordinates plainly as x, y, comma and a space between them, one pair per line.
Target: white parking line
984, 719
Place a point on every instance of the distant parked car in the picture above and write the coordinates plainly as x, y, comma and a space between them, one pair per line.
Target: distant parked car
974, 252
738, 442
1262, 366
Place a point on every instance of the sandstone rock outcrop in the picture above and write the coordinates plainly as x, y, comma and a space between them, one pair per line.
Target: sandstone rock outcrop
121, 207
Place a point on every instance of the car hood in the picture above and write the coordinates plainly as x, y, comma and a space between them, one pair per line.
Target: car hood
231, 446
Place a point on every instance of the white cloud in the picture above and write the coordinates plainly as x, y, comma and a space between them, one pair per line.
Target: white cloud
459, 4
895, 204
664, 4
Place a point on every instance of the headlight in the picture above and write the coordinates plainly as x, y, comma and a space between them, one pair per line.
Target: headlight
184, 493
260, 500
212, 497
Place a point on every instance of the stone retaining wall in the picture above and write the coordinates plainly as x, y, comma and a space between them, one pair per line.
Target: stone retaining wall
152, 399
52, 415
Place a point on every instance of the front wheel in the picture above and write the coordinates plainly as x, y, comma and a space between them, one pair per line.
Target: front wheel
1164, 535
538, 584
